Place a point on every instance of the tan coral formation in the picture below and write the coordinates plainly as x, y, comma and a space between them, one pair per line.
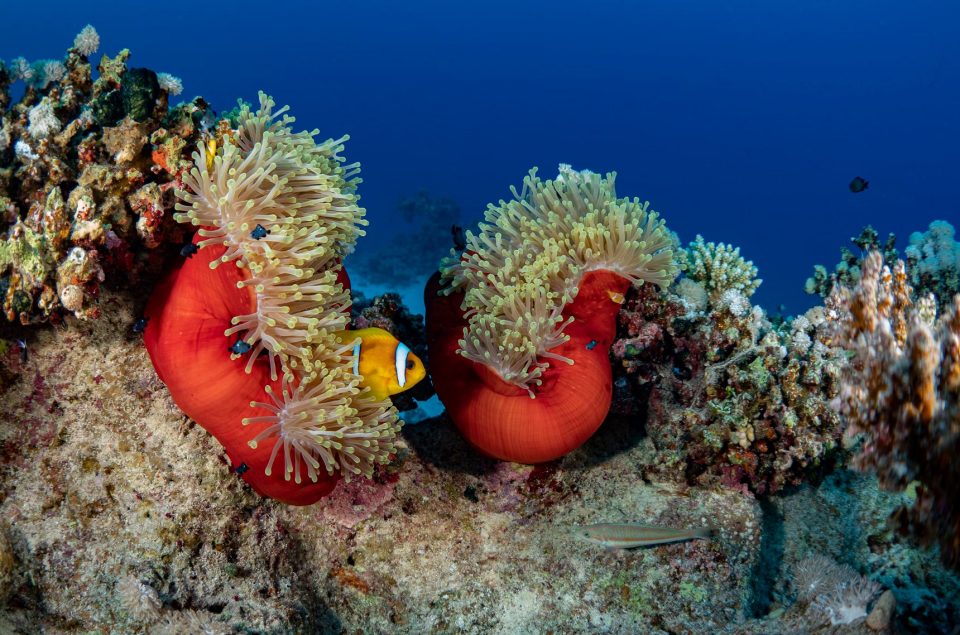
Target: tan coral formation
902, 390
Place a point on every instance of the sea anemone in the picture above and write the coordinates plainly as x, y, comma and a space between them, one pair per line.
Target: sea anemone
276, 214
521, 323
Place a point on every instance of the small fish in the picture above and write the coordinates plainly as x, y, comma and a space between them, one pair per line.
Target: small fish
632, 535
259, 232
386, 365
459, 238
240, 347
23, 351
616, 297
140, 325
592, 344
188, 250
211, 154
859, 184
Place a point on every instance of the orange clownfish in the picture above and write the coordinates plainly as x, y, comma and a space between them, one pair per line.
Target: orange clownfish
386, 365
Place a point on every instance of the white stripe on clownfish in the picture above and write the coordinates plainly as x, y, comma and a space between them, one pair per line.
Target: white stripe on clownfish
401, 362
384, 365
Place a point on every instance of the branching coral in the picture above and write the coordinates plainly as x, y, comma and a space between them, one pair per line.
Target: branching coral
523, 267
933, 262
719, 268
902, 390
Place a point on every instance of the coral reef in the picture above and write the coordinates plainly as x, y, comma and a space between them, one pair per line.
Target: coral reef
728, 396
276, 213
902, 390
932, 263
119, 485
87, 168
529, 310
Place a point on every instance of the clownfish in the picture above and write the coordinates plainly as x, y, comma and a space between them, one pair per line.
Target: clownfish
386, 365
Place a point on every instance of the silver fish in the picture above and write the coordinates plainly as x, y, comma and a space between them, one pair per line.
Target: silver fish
632, 535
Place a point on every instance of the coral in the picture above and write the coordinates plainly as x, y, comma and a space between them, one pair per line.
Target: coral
81, 161
833, 592
902, 390
276, 214
171, 84
848, 602
816, 575
139, 598
933, 263
729, 396
529, 308
719, 268
87, 41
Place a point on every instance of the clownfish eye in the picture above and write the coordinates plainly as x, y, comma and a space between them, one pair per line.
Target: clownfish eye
410, 364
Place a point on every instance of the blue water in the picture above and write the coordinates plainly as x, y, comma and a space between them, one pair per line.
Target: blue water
743, 121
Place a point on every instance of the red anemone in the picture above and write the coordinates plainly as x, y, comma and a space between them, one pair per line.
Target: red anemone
187, 315
500, 419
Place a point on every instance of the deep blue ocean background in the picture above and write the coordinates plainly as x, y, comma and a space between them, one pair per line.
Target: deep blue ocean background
743, 121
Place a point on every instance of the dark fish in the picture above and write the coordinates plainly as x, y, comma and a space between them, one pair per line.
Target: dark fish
591, 345
23, 351
188, 250
240, 347
459, 238
140, 325
259, 232
859, 184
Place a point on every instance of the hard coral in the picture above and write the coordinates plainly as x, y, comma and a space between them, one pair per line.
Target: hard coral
528, 311
74, 163
902, 390
719, 268
730, 397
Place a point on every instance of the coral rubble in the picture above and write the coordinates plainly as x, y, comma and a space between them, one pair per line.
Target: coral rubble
86, 174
